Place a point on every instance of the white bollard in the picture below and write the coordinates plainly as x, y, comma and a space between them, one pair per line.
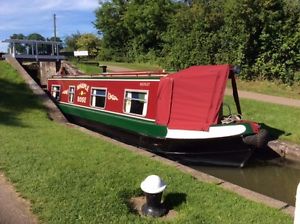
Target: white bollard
297, 206
153, 187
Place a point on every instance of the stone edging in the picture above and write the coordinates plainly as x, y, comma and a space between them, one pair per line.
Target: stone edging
285, 149
53, 112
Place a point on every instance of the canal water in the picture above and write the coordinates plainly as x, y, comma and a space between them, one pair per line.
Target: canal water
277, 178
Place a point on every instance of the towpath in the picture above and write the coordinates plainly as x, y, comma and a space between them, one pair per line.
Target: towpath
266, 98
13, 208
114, 68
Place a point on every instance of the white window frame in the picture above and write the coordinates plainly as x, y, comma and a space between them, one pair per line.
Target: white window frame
55, 92
125, 101
92, 97
71, 93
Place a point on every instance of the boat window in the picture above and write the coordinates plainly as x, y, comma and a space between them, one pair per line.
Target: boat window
136, 102
98, 98
55, 92
71, 94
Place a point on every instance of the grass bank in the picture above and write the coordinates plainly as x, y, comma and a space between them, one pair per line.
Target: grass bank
94, 69
134, 66
71, 177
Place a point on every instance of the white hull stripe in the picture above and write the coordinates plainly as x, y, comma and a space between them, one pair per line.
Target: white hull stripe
213, 132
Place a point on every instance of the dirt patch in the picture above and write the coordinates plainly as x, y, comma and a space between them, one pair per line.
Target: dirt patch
13, 208
136, 204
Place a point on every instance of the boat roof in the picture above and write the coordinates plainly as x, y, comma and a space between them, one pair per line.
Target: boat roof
117, 75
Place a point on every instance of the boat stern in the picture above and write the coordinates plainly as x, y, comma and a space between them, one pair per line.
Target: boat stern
258, 138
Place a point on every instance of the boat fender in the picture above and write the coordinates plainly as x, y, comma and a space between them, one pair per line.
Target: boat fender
259, 140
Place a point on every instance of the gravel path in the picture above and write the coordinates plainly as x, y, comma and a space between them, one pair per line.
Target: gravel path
118, 68
266, 98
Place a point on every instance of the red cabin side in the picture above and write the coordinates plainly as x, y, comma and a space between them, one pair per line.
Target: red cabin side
116, 90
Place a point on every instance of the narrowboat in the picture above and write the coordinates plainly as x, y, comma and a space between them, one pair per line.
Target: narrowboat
180, 115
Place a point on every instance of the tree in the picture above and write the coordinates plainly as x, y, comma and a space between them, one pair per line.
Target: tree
193, 35
280, 44
20, 49
267, 36
262, 36
133, 29
146, 21
71, 40
19, 36
35, 36
57, 39
109, 22
48, 47
42, 49
89, 42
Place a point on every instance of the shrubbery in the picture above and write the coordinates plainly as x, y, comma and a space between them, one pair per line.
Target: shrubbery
262, 36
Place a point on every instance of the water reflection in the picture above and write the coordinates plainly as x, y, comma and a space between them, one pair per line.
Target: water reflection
277, 178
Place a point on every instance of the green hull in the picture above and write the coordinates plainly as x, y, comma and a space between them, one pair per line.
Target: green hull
139, 126
134, 125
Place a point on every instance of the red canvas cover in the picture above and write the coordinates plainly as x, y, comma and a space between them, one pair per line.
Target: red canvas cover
190, 99
164, 100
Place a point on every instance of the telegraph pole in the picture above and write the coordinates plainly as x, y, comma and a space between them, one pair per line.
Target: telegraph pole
54, 46
54, 26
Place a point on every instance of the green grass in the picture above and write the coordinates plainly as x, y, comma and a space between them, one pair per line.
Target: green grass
134, 66
87, 68
94, 69
71, 177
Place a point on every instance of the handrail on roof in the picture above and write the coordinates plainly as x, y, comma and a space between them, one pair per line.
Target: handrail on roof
159, 73
123, 74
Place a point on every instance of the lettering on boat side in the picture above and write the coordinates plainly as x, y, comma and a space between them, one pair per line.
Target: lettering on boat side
81, 99
83, 86
112, 97
144, 83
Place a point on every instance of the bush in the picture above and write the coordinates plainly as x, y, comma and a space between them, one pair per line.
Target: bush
261, 36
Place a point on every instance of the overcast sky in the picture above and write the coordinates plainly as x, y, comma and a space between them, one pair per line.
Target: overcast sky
36, 16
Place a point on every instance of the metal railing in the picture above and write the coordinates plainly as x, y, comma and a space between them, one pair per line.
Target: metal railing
32, 48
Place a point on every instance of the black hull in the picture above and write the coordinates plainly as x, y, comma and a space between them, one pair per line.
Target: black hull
221, 152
